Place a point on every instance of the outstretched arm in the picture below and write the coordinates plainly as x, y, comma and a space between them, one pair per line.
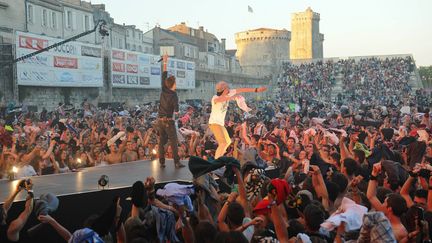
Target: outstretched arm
251, 90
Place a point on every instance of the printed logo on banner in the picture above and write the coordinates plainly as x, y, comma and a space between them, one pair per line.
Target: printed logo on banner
171, 64
118, 67
119, 55
66, 48
37, 60
118, 79
90, 51
144, 81
66, 62
132, 80
130, 68
181, 65
132, 57
144, 59
33, 76
181, 74
144, 70
155, 71
66, 77
88, 78
32, 43
190, 66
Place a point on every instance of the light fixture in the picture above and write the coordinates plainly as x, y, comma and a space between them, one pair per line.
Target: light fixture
103, 181
154, 152
14, 169
79, 161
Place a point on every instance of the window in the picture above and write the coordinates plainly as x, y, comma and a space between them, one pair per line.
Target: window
86, 22
69, 19
44, 17
30, 13
54, 20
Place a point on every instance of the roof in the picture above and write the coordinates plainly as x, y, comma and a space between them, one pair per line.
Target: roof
181, 37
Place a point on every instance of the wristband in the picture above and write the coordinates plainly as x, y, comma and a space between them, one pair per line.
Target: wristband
373, 178
256, 90
412, 174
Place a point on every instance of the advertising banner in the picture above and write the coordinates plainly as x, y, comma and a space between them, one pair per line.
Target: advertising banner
73, 64
137, 70
134, 70
184, 72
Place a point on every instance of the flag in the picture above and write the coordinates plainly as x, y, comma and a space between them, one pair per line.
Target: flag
250, 10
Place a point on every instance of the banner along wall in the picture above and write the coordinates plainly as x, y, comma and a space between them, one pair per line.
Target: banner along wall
135, 70
73, 64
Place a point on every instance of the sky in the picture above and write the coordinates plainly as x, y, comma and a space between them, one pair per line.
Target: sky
350, 27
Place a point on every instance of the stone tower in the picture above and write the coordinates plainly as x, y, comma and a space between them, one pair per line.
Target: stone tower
306, 39
260, 51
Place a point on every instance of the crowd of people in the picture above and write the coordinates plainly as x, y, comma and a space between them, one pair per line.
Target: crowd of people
351, 170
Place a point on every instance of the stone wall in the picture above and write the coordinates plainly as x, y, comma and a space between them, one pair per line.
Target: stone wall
259, 51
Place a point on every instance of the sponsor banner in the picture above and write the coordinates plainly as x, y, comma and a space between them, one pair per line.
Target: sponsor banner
29, 42
73, 64
137, 70
119, 79
118, 55
132, 57
184, 72
66, 62
130, 68
91, 51
118, 67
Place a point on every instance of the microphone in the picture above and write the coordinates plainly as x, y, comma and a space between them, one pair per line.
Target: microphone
160, 60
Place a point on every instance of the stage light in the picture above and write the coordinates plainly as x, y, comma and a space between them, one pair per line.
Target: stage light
103, 181
154, 152
79, 161
14, 169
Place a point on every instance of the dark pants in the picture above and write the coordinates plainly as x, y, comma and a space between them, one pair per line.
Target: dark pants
167, 133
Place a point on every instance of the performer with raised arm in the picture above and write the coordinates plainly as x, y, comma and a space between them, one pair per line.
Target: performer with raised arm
168, 106
218, 112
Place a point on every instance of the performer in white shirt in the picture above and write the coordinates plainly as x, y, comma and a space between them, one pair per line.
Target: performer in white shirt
218, 112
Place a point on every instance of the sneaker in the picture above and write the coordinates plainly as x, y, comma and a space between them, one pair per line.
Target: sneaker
179, 165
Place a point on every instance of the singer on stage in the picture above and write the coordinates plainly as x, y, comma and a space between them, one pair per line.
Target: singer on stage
168, 106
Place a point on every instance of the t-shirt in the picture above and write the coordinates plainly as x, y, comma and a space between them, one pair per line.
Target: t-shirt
219, 110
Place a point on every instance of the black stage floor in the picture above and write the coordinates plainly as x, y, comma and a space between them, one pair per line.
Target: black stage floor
120, 175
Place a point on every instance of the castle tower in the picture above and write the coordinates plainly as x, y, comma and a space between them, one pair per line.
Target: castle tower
306, 39
260, 51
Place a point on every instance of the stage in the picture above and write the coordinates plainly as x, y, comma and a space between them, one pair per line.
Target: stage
120, 176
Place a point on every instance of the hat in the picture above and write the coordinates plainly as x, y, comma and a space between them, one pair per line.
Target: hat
262, 208
85, 235
282, 189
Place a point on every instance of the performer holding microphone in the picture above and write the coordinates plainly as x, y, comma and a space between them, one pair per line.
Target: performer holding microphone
218, 112
168, 106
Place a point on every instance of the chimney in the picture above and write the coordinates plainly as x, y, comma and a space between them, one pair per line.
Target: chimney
201, 28
223, 43
183, 23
